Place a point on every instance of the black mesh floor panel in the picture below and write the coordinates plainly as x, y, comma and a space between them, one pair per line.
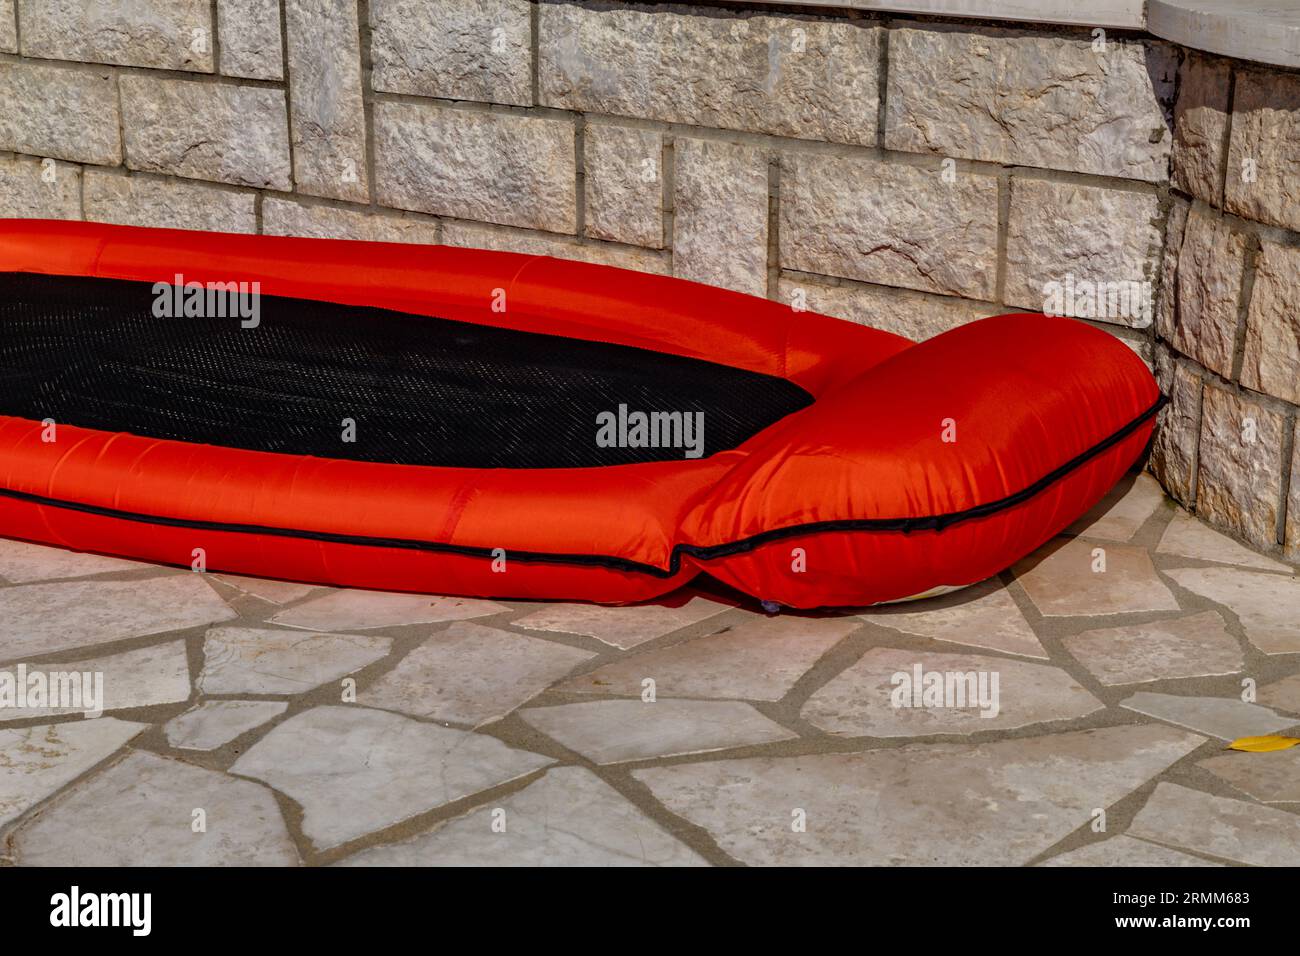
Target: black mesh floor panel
90, 352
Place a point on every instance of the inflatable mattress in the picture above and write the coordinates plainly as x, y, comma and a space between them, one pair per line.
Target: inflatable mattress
466, 422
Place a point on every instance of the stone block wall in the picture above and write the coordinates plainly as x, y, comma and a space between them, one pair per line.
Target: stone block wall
904, 172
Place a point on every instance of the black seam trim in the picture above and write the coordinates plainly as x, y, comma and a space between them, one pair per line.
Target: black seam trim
700, 552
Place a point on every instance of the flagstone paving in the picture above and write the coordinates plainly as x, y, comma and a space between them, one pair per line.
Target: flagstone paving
258, 722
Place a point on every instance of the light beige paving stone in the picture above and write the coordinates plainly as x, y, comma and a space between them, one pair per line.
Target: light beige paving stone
1188, 537
86, 126
1268, 605
356, 770
760, 659
1198, 645
167, 203
1225, 718
1272, 777
141, 812
22, 562
37, 761
615, 731
216, 722
1282, 694
267, 589
471, 674
570, 817
913, 315
983, 615
476, 236
250, 660
284, 217
720, 214
999, 803
159, 674
1125, 851
1124, 509
352, 609
250, 38
46, 618
32, 188
1229, 829
861, 700
623, 627
1064, 583
170, 35
624, 184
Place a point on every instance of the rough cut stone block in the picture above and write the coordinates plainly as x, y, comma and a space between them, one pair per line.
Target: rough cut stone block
164, 34
1239, 478
83, 127
880, 222
456, 49
284, 217
1211, 266
1018, 98
231, 134
792, 76
1272, 355
328, 116
1167, 297
494, 167
720, 215
1201, 126
1178, 433
250, 38
167, 203
39, 189
534, 244
1264, 156
1293, 502
915, 315
1084, 251
624, 184
8, 28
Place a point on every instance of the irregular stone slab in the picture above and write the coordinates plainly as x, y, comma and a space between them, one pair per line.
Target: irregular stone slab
984, 615
1239, 481
251, 660
1219, 826
217, 722
1014, 97
1125, 851
615, 731
537, 244
1195, 646
1124, 509
284, 217
1064, 583
24, 194
720, 214
350, 609
570, 817
1270, 777
47, 618
85, 128
1268, 605
250, 38
454, 49
713, 67
913, 315
1200, 127
266, 589
167, 203
624, 184
22, 562
870, 220
1283, 694
141, 812
1211, 266
991, 804
37, 761
149, 675
1265, 130
356, 770
623, 627
176, 35
860, 701
1271, 362
1225, 718
760, 659
471, 674
1050, 248
1188, 537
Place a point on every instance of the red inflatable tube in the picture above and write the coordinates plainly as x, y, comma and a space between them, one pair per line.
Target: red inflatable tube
838, 465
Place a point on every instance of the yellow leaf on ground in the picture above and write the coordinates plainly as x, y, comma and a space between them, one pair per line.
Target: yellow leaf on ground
1262, 745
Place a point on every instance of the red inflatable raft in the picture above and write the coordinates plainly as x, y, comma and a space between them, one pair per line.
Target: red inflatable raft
482, 423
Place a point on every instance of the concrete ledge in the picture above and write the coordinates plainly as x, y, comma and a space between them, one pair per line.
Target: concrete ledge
1248, 29
1125, 14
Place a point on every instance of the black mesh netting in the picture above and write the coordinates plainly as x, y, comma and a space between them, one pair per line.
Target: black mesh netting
90, 352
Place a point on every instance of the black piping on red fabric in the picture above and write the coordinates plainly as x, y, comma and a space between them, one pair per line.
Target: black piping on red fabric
613, 562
